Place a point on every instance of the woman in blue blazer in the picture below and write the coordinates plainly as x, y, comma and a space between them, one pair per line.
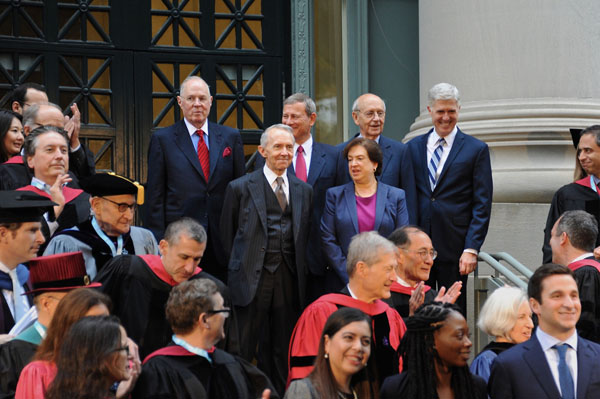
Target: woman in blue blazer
364, 204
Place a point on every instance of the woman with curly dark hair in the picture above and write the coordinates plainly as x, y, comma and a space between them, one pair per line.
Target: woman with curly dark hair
435, 351
93, 356
341, 369
11, 135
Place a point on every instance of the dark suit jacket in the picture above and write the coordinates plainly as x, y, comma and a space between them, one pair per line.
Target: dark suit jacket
396, 170
321, 176
523, 372
244, 232
176, 184
340, 221
457, 214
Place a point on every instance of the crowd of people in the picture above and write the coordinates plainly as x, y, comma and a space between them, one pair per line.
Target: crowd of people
316, 271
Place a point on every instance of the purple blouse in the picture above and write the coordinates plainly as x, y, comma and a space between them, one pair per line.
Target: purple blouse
365, 212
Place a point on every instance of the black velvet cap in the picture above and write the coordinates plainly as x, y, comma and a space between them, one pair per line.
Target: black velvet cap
105, 184
23, 206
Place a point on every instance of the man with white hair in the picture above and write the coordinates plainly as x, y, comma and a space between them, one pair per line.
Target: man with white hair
454, 190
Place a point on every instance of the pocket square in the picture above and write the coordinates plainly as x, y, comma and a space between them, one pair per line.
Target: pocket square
226, 152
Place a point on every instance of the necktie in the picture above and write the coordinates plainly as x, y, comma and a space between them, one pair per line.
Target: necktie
203, 154
280, 193
564, 375
435, 161
301, 165
19, 300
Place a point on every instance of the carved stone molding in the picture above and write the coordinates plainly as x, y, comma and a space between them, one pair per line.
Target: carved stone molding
302, 46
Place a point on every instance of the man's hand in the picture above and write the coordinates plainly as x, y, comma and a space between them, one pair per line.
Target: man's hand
597, 252
72, 126
135, 367
416, 298
57, 194
451, 296
266, 394
467, 263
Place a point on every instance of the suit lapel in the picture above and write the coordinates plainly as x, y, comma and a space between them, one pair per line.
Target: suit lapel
215, 140
584, 367
459, 141
256, 188
317, 160
387, 153
295, 202
422, 158
536, 360
351, 204
381, 200
184, 142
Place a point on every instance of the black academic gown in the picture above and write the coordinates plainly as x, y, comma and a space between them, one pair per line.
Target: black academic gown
574, 196
139, 296
14, 356
395, 387
401, 296
173, 372
587, 276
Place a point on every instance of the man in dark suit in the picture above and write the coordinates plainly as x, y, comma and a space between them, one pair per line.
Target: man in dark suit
265, 225
454, 190
189, 166
555, 362
315, 164
368, 113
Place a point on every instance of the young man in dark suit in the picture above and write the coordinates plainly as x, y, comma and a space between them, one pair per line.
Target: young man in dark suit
189, 166
265, 226
556, 362
454, 190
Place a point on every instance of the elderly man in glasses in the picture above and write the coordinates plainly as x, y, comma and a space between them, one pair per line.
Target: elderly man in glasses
109, 231
190, 366
415, 258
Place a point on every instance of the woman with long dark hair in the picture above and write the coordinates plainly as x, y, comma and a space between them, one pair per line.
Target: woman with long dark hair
435, 351
11, 135
93, 356
341, 369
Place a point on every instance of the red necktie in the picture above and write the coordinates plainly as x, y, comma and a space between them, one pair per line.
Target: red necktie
203, 155
301, 164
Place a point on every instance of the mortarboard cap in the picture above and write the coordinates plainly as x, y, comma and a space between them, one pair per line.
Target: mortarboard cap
104, 184
23, 206
60, 272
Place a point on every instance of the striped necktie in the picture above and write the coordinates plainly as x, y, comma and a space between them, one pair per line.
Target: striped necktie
203, 155
436, 157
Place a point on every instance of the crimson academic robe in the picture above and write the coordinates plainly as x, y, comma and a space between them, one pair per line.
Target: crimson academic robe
174, 373
401, 296
587, 276
575, 196
139, 288
388, 329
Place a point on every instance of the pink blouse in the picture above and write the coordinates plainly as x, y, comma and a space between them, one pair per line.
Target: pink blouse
35, 379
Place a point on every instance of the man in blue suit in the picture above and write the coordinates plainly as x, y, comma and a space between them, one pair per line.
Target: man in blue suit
454, 190
189, 166
315, 164
368, 113
555, 362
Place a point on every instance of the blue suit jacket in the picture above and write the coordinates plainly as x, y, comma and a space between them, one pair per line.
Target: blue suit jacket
456, 214
321, 176
396, 170
523, 372
244, 233
340, 221
176, 184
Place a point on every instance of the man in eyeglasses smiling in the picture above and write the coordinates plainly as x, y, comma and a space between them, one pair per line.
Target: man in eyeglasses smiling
415, 258
109, 231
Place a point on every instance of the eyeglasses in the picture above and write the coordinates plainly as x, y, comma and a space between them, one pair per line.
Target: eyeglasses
122, 206
371, 114
423, 253
227, 311
123, 348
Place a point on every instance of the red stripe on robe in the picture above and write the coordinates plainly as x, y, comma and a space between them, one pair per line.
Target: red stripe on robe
584, 262
155, 264
396, 287
173, 350
16, 159
69, 193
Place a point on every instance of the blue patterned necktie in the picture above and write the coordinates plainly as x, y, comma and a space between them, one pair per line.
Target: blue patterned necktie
436, 157
564, 374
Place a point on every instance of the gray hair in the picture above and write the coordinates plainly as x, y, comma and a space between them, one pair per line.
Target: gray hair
581, 228
366, 247
443, 91
32, 139
264, 137
355, 104
593, 130
309, 105
31, 113
189, 78
187, 226
500, 311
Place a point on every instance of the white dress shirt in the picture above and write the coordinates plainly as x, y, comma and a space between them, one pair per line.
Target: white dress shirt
272, 177
432, 143
547, 342
307, 147
582, 257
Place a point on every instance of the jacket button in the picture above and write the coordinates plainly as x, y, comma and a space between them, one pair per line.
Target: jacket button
432, 199
262, 249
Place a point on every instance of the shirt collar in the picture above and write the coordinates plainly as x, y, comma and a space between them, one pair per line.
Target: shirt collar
547, 341
402, 282
306, 146
271, 176
37, 183
350, 291
191, 129
581, 257
376, 139
449, 138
